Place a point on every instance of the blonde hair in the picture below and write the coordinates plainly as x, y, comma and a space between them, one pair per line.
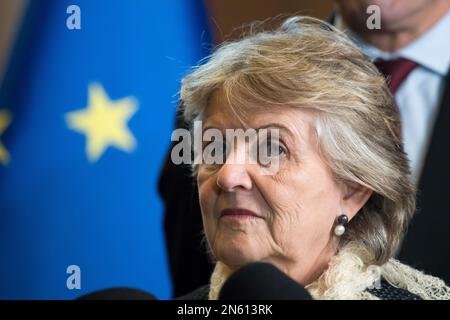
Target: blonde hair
307, 63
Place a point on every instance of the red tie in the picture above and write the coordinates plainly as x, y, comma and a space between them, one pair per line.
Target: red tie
395, 71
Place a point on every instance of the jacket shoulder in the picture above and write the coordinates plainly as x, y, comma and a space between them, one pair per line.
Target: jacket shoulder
386, 291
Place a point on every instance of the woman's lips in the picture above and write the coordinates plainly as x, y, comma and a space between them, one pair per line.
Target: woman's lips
238, 213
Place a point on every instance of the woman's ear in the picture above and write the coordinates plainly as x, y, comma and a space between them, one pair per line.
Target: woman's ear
354, 197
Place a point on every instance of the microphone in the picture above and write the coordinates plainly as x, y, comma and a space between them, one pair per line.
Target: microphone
262, 281
118, 294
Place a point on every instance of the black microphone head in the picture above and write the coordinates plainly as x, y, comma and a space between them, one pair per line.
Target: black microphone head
262, 281
118, 294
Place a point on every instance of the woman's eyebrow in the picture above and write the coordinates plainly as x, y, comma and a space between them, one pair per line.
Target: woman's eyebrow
211, 123
265, 126
212, 126
276, 126
288, 135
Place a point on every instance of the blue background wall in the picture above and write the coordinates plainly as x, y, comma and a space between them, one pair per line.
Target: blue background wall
57, 208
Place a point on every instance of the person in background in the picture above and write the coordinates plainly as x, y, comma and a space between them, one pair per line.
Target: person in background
413, 51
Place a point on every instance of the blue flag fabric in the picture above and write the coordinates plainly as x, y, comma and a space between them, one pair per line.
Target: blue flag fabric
85, 122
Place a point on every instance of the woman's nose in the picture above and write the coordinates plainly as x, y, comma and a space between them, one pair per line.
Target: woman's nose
231, 177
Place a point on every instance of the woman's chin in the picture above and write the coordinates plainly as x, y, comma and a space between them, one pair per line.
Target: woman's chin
236, 261
237, 254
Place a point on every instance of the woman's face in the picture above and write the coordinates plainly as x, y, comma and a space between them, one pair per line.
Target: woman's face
286, 218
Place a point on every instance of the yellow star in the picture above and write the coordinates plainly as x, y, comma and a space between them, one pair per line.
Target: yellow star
5, 120
104, 122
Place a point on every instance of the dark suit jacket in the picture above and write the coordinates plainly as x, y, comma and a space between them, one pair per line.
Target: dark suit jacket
189, 265
427, 242
426, 246
385, 292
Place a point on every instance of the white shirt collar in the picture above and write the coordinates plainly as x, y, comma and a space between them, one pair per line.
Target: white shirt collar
430, 50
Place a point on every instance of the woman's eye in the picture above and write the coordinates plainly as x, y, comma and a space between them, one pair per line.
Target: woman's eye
270, 150
215, 153
274, 149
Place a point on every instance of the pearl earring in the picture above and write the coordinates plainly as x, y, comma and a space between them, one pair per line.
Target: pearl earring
342, 220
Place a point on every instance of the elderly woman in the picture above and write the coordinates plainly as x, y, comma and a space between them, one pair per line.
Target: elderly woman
332, 214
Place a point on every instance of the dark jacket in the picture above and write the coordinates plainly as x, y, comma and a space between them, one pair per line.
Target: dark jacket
384, 292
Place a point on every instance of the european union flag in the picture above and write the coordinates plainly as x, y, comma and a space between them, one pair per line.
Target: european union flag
86, 112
